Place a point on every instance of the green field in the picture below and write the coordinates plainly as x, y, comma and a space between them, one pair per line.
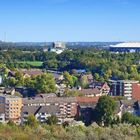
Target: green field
32, 63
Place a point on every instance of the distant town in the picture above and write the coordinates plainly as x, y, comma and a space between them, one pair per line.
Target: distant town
69, 83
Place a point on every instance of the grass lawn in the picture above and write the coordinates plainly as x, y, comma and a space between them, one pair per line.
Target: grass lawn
32, 63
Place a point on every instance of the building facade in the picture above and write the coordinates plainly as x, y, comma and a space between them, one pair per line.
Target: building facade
122, 88
11, 107
41, 108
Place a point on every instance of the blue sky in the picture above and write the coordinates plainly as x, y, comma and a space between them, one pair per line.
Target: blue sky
70, 20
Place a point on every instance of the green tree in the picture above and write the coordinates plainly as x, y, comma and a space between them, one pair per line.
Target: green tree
105, 109
68, 79
31, 121
84, 81
130, 118
45, 83
52, 120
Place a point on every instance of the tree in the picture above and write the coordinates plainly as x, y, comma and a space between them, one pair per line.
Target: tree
52, 120
84, 81
31, 121
19, 78
130, 118
68, 79
45, 83
105, 110
96, 76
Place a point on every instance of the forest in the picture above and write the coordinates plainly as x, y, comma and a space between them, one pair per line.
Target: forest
100, 62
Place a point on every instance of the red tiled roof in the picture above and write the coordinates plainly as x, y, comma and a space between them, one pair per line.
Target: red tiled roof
87, 99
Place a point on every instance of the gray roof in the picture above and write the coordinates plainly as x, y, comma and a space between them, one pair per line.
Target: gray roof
38, 100
43, 109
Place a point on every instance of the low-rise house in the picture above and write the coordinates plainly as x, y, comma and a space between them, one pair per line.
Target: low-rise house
131, 106
7, 90
102, 86
32, 72
91, 92
26, 73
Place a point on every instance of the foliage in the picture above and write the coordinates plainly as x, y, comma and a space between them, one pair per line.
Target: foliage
130, 118
56, 132
31, 121
45, 83
52, 120
32, 63
105, 109
100, 62
69, 80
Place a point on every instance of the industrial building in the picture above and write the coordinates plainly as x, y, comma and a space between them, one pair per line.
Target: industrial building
126, 47
58, 47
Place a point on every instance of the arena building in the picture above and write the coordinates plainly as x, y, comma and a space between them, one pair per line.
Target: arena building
126, 47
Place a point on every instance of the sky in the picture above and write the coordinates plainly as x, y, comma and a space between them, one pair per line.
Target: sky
69, 20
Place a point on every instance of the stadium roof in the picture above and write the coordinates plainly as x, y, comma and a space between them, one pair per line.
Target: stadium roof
127, 45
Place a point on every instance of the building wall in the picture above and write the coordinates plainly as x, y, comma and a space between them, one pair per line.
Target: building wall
13, 108
123, 88
136, 91
2, 105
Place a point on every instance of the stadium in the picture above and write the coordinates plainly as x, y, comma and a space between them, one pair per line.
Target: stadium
126, 47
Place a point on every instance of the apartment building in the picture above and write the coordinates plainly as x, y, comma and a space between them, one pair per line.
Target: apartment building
122, 88
11, 106
42, 107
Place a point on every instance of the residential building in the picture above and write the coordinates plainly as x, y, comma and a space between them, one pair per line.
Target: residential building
61, 107
90, 92
7, 90
131, 106
136, 91
102, 86
122, 88
11, 107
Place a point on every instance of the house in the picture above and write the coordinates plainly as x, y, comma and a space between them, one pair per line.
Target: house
31, 73
102, 86
7, 90
131, 106
90, 92
26, 73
